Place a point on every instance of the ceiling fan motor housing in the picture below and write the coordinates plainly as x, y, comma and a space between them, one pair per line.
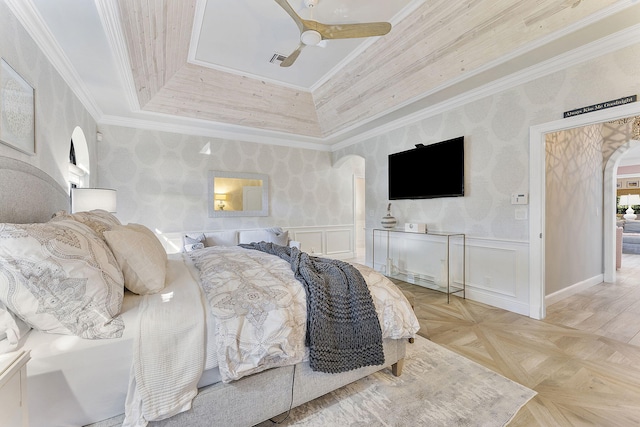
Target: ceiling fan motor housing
310, 37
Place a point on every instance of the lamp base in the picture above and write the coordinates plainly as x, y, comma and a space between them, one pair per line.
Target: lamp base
629, 214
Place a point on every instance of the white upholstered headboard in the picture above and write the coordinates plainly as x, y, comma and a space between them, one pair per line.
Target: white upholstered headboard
28, 194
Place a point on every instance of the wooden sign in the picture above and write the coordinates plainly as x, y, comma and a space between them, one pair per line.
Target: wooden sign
601, 106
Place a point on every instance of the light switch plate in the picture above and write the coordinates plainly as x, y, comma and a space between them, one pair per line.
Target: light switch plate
519, 199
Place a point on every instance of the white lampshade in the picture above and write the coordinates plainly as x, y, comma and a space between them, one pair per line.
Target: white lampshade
630, 200
86, 199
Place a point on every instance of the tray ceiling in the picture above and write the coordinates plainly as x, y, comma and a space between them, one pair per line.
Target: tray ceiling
206, 63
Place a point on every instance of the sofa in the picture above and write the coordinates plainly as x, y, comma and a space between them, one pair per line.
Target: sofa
630, 236
199, 240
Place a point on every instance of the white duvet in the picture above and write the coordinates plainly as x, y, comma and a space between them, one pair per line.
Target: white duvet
259, 311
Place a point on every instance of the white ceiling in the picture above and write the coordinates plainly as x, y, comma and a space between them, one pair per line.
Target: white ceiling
243, 37
331, 95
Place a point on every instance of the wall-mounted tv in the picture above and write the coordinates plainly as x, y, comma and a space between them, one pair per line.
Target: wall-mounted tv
428, 171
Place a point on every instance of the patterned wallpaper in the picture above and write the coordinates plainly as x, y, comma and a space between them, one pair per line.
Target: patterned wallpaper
58, 111
161, 180
496, 130
574, 200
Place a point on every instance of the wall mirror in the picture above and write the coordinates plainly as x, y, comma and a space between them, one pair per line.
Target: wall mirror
238, 194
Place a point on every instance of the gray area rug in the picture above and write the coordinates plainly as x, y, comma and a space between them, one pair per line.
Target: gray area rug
437, 388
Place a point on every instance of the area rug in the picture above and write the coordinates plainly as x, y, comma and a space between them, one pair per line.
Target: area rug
437, 388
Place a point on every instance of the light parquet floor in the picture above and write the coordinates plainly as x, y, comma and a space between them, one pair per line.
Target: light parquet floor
583, 359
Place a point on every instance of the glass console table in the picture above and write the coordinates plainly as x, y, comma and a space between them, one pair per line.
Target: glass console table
443, 284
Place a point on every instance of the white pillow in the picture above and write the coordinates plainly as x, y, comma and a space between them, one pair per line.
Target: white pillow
98, 220
60, 277
141, 257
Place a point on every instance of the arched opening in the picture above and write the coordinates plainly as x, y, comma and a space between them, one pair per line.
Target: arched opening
610, 196
79, 170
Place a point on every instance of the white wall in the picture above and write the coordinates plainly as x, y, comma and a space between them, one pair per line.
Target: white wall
496, 130
58, 111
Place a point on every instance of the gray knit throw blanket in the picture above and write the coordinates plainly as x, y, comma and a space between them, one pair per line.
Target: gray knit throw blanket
343, 330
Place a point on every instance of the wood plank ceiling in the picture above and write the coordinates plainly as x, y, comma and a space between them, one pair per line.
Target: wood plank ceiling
440, 41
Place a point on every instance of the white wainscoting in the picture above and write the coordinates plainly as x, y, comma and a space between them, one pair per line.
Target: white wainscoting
496, 271
332, 241
329, 241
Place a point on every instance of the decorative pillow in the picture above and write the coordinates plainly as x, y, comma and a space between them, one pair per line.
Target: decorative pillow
192, 243
60, 277
279, 236
98, 220
11, 330
141, 257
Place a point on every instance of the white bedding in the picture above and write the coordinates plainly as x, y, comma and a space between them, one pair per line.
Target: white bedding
255, 313
73, 381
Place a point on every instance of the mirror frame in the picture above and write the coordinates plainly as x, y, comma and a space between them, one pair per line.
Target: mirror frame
213, 213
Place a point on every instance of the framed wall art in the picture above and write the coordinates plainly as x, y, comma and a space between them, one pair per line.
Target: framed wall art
17, 110
633, 183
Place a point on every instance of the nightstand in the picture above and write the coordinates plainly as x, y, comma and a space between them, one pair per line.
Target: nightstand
13, 389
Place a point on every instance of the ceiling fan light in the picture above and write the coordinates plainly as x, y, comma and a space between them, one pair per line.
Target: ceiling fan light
310, 37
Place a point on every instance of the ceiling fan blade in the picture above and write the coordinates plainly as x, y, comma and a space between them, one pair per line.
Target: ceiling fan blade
287, 8
289, 60
350, 31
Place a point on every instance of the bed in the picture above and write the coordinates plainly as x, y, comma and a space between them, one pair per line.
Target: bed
159, 340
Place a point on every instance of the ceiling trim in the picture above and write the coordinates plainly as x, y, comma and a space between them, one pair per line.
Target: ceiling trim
109, 14
167, 123
233, 71
35, 26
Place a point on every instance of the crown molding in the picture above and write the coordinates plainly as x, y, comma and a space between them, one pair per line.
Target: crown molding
35, 26
166, 123
109, 16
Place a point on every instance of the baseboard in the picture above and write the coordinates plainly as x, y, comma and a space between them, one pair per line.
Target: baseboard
573, 289
498, 301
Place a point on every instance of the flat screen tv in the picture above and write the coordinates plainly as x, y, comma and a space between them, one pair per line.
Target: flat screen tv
428, 171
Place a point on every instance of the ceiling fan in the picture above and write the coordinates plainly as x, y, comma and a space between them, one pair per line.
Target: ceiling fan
313, 32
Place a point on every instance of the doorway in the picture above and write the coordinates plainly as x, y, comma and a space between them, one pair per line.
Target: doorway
359, 217
537, 182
